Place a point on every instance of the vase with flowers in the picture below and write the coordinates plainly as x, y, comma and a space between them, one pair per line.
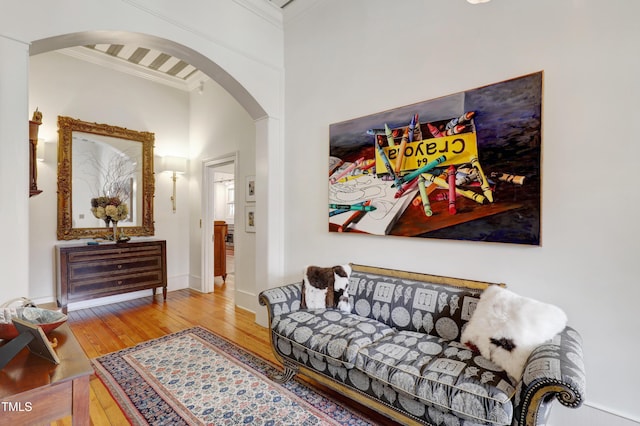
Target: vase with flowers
111, 210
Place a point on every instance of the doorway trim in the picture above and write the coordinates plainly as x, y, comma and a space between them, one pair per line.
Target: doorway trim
208, 170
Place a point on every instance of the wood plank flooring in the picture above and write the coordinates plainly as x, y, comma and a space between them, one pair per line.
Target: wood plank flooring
105, 329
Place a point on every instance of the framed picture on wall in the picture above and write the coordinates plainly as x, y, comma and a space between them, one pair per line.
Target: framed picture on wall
250, 218
250, 189
466, 166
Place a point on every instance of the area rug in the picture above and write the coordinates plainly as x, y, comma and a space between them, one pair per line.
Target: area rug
195, 377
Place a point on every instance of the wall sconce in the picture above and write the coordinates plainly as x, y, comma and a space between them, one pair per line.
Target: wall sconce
40, 153
175, 165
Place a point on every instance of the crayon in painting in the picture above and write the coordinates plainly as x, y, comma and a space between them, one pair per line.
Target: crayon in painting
351, 177
484, 184
460, 120
408, 186
442, 196
431, 165
351, 167
389, 134
434, 131
412, 128
417, 131
439, 196
467, 116
354, 207
403, 145
337, 212
506, 177
424, 196
387, 164
466, 176
471, 195
340, 211
455, 130
462, 192
355, 217
366, 165
451, 180
377, 132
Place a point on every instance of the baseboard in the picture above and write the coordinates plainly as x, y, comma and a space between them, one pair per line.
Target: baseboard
588, 414
246, 300
91, 303
178, 282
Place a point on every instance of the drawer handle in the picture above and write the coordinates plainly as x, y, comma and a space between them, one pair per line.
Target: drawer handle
119, 266
119, 282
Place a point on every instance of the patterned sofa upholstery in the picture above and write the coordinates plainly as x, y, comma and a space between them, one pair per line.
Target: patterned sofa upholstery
399, 353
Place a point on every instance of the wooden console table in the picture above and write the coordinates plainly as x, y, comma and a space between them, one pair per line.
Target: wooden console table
36, 391
92, 271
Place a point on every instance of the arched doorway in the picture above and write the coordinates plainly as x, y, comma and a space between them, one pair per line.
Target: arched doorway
206, 65
268, 135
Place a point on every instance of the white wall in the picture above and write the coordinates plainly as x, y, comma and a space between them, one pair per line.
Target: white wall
60, 85
219, 127
14, 159
346, 59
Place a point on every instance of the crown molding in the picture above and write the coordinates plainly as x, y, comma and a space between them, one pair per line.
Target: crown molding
266, 10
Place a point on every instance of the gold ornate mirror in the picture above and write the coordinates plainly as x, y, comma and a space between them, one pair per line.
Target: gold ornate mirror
98, 162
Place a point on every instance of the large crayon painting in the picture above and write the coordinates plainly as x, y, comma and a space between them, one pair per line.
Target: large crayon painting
464, 167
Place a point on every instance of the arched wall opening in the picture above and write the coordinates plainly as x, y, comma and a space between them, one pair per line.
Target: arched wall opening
206, 65
268, 140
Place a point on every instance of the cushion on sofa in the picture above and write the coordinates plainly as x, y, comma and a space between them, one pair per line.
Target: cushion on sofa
440, 373
411, 304
506, 327
330, 333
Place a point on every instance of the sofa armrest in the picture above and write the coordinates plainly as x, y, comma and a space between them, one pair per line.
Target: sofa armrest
555, 370
283, 299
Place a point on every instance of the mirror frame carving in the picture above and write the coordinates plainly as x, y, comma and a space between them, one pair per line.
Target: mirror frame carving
66, 127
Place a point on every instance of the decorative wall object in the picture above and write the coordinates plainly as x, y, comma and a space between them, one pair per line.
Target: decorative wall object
250, 218
464, 167
103, 160
34, 127
250, 189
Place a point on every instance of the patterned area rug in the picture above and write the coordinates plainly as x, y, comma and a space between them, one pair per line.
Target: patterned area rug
195, 377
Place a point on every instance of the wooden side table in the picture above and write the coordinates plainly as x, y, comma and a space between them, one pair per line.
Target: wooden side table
36, 391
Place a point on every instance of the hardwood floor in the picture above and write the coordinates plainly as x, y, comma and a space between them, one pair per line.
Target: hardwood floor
105, 329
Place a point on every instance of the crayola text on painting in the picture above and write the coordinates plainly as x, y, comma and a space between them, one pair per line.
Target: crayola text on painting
458, 149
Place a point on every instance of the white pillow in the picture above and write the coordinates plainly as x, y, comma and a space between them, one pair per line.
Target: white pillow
506, 328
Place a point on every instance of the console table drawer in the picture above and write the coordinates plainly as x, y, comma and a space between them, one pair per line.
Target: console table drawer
90, 271
80, 271
112, 252
81, 289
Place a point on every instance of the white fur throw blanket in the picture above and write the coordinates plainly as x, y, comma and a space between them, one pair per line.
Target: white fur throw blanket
506, 328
